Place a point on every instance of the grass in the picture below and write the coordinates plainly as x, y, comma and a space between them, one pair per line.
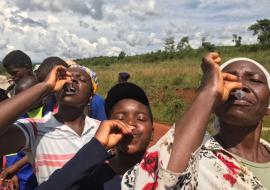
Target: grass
163, 79
167, 81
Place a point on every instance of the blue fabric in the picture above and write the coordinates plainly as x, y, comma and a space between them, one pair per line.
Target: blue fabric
27, 178
97, 108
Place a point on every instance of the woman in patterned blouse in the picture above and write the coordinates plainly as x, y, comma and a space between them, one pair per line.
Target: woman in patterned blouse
236, 158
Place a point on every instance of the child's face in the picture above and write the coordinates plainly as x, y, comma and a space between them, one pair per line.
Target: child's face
17, 73
79, 91
136, 115
249, 110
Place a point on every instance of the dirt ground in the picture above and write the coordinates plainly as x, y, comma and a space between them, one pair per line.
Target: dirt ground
159, 131
187, 95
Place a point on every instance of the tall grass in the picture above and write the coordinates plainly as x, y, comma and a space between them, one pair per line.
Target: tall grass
161, 80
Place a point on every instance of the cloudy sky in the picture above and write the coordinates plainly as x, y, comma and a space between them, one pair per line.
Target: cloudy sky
86, 28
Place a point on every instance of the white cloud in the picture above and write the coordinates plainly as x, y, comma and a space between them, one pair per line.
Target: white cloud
83, 28
141, 8
52, 19
84, 7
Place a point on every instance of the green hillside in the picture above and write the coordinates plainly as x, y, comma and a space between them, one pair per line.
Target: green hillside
169, 78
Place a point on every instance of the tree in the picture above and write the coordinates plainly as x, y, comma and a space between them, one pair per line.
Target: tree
262, 29
122, 55
237, 40
207, 45
183, 44
169, 44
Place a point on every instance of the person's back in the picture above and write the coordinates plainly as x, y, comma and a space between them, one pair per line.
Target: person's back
97, 108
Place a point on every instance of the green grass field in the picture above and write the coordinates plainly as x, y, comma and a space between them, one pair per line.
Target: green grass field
170, 84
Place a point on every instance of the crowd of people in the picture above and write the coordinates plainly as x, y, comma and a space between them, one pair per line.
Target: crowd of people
56, 132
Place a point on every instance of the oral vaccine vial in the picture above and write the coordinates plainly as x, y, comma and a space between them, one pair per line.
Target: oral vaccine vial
239, 94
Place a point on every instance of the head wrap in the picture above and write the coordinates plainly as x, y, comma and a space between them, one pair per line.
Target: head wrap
90, 72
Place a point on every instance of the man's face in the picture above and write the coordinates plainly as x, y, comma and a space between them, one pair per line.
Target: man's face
136, 115
79, 91
249, 110
17, 73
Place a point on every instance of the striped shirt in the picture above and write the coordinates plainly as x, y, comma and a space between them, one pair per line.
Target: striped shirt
53, 143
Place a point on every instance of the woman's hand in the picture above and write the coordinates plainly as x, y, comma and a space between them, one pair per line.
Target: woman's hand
110, 132
220, 83
57, 78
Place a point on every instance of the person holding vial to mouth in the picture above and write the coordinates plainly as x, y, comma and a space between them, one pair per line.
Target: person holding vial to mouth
55, 138
128, 131
238, 93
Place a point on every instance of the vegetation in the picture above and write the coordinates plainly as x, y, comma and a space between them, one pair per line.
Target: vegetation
262, 30
171, 77
171, 80
237, 40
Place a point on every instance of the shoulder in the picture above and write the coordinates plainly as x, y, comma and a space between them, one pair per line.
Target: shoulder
91, 121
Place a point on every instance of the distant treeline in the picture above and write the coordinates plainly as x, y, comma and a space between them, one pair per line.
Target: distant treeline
158, 56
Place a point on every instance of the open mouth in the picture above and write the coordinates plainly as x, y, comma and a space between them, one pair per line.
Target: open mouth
70, 89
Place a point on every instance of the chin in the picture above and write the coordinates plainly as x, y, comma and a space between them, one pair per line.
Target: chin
72, 102
241, 121
127, 149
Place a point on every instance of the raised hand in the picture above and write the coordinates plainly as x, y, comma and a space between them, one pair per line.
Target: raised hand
57, 78
110, 132
219, 82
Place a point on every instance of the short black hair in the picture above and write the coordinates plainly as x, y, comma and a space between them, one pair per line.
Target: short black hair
126, 90
17, 58
46, 66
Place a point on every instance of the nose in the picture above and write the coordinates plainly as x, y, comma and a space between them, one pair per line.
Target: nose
74, 79
130, 120
242, 79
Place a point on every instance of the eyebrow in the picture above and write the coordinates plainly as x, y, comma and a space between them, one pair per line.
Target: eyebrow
125, 112
246, 72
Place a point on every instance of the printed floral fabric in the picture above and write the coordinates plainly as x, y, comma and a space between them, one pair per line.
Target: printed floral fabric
210, 167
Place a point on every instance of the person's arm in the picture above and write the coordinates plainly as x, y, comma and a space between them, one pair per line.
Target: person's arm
12, 108
93, 153
190, 129
13, 169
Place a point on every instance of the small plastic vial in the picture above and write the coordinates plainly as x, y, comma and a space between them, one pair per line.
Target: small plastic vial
239, 94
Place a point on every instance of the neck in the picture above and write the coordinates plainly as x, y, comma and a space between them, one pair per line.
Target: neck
242, 141
72, 116
122, 162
